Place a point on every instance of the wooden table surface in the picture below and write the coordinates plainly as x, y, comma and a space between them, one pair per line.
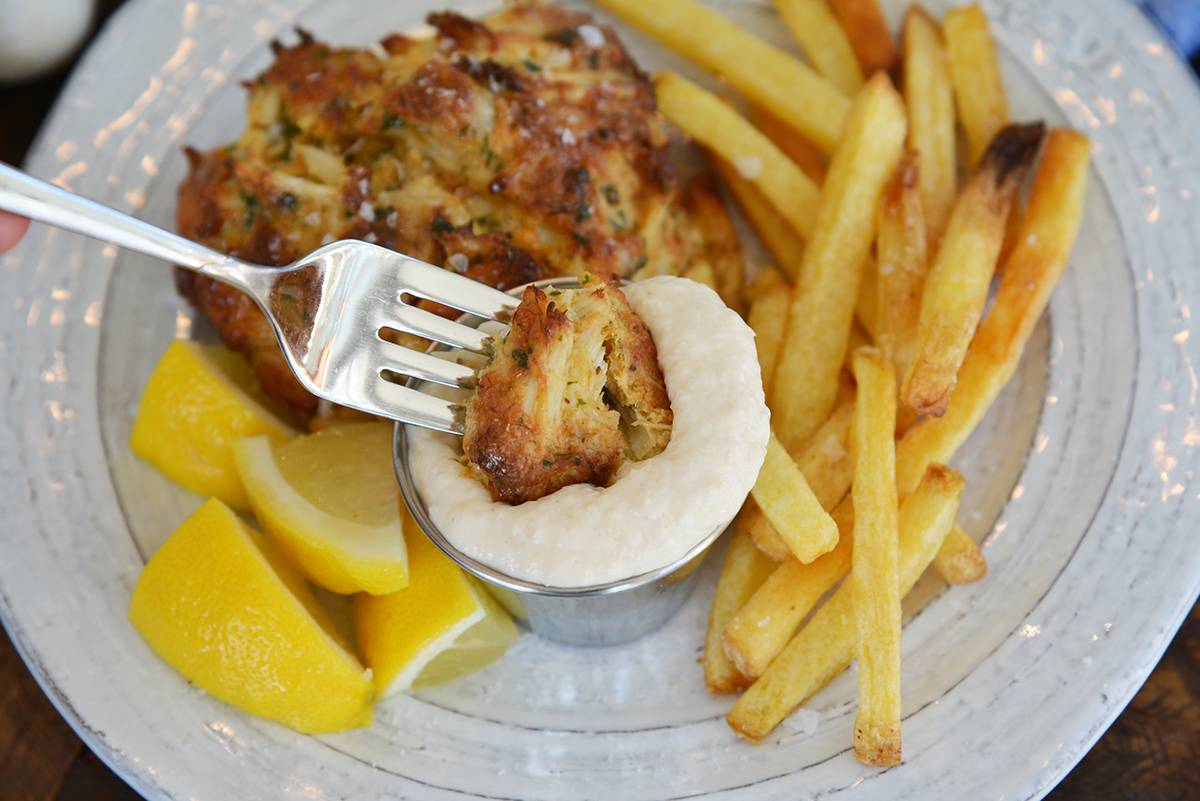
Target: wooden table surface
1151, 753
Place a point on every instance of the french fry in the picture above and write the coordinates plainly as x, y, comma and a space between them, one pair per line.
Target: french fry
828, 467
959, 560
875, 576
744, 570
768, 317
813, 24
765, 281
822, 305
825, 646
827, 464
931, 131
901, 253
762, 533
1048, 231
701, 271
806, 155
956, 287
780, 237
867, 308
710, 121
826, 459
859, 337
845, 387
1010, 234
765, 624
975, 73
759, 71
783, 495
723, 251
868, 33
925, 320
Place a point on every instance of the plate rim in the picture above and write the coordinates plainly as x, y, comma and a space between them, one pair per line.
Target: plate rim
26, 647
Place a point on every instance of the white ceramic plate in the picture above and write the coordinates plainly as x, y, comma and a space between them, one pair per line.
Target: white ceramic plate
1080, 479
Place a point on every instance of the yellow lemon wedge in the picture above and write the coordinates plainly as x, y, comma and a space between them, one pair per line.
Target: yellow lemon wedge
330, 503
199, 399
442, 626
222, 607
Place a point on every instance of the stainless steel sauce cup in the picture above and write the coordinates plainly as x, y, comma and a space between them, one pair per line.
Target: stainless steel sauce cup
601, 614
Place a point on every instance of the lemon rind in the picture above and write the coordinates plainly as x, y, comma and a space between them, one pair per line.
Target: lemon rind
403, 680
190, 358
500, 620
352, 681
287, 517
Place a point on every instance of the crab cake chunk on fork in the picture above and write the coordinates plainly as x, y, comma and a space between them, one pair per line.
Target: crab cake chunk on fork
573, 389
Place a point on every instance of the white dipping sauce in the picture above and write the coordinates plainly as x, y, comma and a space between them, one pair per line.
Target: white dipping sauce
657, 509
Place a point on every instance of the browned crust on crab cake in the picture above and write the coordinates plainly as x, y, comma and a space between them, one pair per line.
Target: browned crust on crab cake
572, 390
524, 144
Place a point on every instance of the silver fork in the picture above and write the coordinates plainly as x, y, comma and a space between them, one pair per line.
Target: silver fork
328, 309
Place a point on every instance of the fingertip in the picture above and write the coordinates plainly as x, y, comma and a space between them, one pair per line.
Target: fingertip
12, 228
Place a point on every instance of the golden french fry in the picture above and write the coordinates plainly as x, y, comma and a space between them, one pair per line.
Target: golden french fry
744, 570
1010, 234
828, 467
845, 387
813, 24
826, 459
768, 318
723, 251
1048, 231
875, 575
901, 253
956, 287
859, 337
959, 560
867, 307
807, 156
759, 71
868, 33
701, 271
931, 130
710, 121
826, 644
783, 495
975, 73
765, 281
779, 236
822, 305
765, 624
763, 534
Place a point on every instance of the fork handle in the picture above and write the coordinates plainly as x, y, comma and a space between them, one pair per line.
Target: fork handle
23, 194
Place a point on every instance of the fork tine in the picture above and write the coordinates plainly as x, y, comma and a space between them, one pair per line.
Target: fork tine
413, 406
427, 325
420, 365
448, 287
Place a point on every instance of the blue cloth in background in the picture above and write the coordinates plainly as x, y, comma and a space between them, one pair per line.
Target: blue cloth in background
1181, 20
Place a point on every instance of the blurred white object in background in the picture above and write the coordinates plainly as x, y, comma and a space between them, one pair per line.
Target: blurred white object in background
38, 35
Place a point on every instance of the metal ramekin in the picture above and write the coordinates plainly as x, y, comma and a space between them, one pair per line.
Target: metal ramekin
596, 615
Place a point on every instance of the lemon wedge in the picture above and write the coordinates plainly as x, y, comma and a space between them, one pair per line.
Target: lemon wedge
442, 626
197, 402
220, 605
330, 503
